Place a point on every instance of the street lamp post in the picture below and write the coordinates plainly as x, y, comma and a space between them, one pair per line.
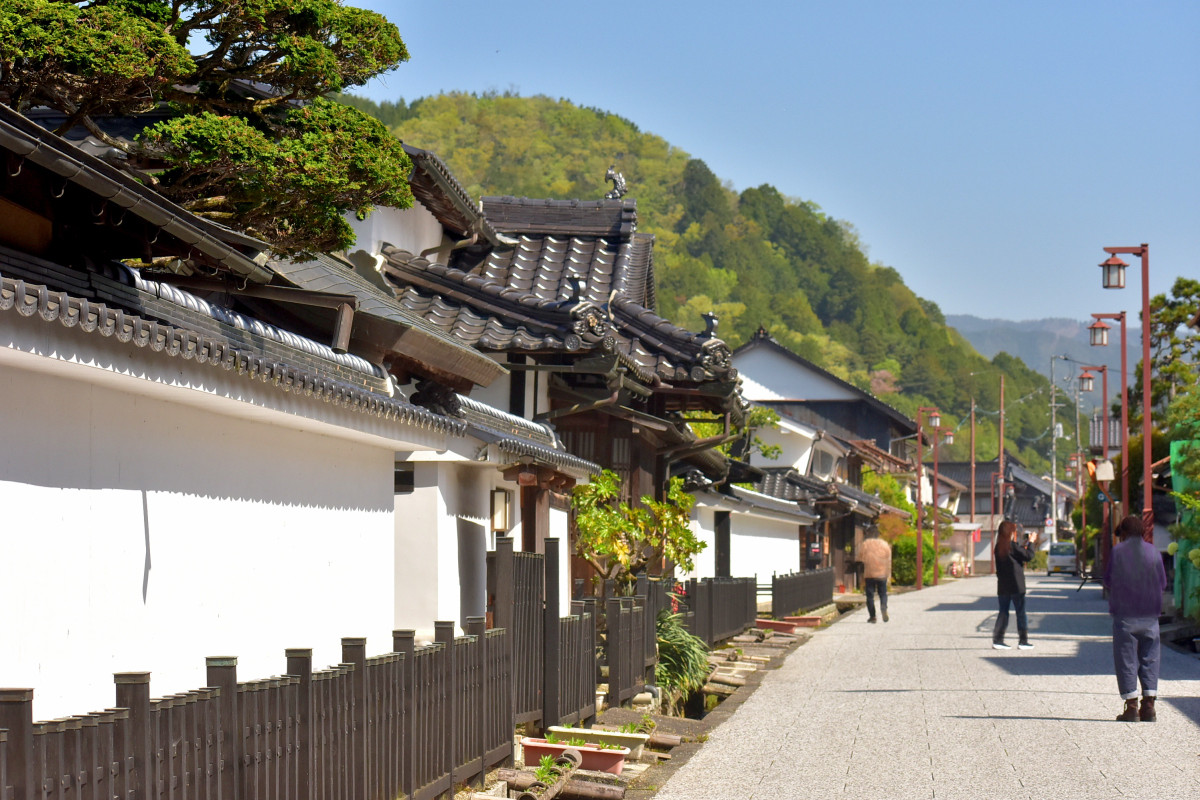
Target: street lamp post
1114, 278
1086, 381
1099, 338
947, 434
935, 421
1054, 445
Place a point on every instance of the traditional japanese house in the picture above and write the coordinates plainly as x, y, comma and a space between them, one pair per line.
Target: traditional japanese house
830, 431
1026, 500
561, 292
198, 446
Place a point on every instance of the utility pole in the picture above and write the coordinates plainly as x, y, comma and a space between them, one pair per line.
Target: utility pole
998, 490
971, 543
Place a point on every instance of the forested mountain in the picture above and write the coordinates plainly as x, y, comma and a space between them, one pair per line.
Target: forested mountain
753, 258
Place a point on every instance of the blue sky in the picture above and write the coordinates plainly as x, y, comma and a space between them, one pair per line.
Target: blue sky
986, 150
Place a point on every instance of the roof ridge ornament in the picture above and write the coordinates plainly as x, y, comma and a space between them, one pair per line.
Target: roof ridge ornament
618, 180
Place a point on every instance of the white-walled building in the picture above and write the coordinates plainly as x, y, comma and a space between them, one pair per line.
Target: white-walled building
199, 457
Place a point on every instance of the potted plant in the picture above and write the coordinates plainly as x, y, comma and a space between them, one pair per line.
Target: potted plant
633, 741
599, 757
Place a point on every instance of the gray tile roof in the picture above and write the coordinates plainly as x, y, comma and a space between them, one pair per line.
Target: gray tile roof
558, 294
247, 354
617, 218
436, 188
404, 331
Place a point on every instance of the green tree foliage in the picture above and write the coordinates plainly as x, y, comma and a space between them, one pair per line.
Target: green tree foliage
282, 164
755, 258
904, 560
621, 540
1174, 350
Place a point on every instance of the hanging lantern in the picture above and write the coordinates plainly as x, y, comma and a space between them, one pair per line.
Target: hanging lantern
935, 419
1087, 381
949, 437
1114, 272
1098, 331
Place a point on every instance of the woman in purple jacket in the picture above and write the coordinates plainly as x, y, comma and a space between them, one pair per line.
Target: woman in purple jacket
1136, 580
1011, 557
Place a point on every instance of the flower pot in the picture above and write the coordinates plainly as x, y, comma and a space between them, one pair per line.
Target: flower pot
611, 761
633, 741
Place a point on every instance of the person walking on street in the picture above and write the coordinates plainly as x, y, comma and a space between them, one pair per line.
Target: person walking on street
876, 557
1135, 579
1011, 558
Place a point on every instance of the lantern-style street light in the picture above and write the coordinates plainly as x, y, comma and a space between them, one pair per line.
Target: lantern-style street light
1114, 278
1102, 341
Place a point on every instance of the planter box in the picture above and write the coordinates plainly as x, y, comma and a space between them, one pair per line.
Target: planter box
807, 621
633, 741
775, 625
611, 761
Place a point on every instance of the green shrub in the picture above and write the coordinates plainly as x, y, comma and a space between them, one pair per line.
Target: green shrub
904, 560
1039, 561
682, 659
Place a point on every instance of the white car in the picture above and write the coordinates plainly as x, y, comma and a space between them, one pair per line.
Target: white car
1061, 558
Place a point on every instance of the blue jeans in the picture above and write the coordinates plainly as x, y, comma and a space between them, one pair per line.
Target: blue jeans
1018, 604
876, 585
1136, 655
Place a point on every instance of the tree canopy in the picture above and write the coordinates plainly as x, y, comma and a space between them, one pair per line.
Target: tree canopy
248, 138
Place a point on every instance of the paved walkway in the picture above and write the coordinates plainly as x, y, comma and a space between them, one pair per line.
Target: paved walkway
922, 707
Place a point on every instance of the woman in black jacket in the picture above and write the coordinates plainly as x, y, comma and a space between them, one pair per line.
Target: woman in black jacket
1011, 557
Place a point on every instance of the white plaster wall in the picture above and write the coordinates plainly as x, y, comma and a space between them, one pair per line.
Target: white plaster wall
144, 534
412, 229
559, 529
703, 525
443, 535
416, 526
795, 443
762, 546
496, 393
769, 376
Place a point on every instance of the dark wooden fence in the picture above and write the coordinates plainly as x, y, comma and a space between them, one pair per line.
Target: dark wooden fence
415, 722
625, 640
720, 608
801, 591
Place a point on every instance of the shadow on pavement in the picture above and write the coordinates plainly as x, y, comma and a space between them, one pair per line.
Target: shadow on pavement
1090, 658
1020, 716
1187, 706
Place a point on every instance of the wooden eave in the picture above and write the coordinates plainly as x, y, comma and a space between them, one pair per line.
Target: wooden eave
132, 221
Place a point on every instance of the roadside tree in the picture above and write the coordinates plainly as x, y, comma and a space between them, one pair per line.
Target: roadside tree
232, 94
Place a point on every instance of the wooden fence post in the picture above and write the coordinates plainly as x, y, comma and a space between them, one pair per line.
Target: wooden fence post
550, 653
590, 607
502, 616
443, 634
613, 649
354, 651
404, 642
222, 674
16, 716
299, 664
477, 627
133, 693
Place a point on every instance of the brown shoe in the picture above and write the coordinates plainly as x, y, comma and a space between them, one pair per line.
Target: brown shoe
1130, 714
1146, 714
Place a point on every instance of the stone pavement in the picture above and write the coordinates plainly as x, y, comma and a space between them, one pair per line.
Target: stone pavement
923, 707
